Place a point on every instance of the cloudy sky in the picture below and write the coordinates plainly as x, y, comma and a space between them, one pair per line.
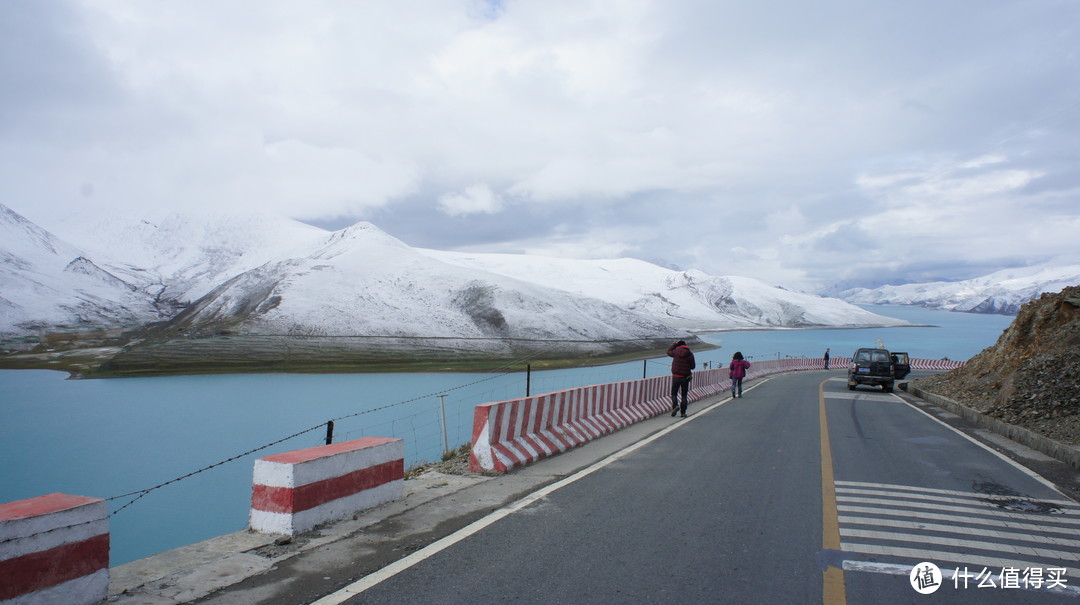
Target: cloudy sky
802, 143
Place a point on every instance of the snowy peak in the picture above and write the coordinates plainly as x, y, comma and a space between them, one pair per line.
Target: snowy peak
85, 266
690, 300
48, 284
273, 277
25, 242
1002, 292
190, 255
356, 238
376, 288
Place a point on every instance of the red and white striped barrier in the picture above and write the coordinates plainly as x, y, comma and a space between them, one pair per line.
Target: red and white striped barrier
509, 434
54, 549
295, 491
936, 364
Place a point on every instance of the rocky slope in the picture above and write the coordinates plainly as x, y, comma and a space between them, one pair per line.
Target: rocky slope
1031, 376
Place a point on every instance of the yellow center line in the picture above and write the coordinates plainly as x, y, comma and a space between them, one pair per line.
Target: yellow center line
833, 591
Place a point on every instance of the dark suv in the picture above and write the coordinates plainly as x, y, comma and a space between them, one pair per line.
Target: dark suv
877, 366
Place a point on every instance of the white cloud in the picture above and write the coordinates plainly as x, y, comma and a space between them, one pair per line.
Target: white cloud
477, 199
765, 127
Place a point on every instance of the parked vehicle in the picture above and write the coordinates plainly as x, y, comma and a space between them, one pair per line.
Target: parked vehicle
877, 367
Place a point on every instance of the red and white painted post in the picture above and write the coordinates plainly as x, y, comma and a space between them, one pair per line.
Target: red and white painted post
54, 549
295, 491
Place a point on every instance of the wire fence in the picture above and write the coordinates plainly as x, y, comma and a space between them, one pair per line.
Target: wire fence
420, 420
420, 423
430, 426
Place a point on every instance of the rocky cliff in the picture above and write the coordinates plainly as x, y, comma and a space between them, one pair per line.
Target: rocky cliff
1031, 376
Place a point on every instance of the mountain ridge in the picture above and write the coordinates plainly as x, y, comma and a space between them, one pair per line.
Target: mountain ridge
1002, 292
170, 282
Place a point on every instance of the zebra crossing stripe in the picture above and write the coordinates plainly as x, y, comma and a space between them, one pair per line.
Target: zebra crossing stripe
957, 559
938, 525
874, 514
967, 510
1021, 535
954, 543
946, 574
892, 490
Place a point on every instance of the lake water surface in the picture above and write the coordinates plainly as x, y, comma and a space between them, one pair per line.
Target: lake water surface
107, 438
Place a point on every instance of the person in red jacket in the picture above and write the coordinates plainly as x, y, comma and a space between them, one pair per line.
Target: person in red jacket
682, 365
738, 368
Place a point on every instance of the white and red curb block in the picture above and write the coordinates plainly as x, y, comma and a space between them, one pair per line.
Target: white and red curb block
54, 549
295, 491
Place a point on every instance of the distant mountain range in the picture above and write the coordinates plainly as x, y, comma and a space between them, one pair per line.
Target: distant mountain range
1001, 292
188, 277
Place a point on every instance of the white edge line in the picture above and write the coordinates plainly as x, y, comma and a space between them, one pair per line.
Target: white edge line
438, 546
1014, 463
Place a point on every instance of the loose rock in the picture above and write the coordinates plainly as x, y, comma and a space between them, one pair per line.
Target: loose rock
1031, 376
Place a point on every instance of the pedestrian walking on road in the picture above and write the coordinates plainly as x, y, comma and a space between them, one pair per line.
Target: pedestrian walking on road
738, 368
826, 358
682, 366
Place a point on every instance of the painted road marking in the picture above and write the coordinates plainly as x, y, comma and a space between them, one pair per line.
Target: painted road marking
1020, 535
1021, 540
1003, 457
934, 494
833, 591
864, 396
1010, 461
949, 575
899, 526
438, 546
1063, 522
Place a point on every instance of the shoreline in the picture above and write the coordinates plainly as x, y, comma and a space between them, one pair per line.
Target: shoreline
203, 358
82, 367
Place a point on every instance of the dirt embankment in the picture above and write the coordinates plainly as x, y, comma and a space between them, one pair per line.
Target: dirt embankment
1031, 376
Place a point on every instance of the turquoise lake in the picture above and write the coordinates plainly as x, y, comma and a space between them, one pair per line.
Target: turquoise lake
107, 438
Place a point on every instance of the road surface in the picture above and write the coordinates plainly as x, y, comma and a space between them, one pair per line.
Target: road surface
799, 492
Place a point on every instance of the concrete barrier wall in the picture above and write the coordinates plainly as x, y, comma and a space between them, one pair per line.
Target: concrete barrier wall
54, 549
295, 491
513, 433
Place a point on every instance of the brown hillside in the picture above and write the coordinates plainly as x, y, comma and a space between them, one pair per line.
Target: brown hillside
1031, 376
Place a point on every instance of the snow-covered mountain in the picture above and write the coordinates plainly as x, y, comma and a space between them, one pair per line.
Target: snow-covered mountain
361, 282
194, 276
47, 284
690, 300
1001, 292
181, 257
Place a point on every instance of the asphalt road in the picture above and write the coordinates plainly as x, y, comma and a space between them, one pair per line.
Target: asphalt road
800, 492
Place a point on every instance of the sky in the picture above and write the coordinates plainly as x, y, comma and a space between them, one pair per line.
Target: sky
810, 145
